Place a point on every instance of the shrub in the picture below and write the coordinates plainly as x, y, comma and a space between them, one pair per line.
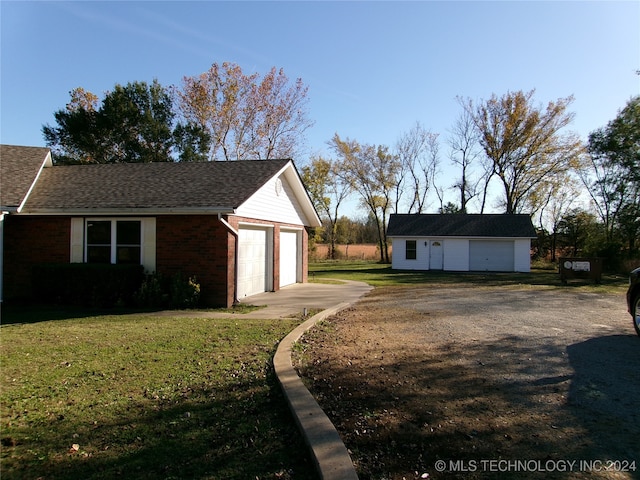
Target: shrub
86, 284
151, 292
185, 293
157, 291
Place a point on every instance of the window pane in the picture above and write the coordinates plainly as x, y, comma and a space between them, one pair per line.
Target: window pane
128, 255
128, 233
410, 250
98, 254
98, 233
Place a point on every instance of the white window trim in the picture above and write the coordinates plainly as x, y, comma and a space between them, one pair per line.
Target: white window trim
78, 250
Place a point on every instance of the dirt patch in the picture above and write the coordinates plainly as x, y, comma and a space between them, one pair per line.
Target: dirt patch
425, 382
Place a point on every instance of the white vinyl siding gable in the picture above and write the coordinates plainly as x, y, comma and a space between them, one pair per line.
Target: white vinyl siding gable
274, 203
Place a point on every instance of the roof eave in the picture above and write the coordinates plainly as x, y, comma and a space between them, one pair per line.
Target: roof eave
512, 237
295, 181
46, 162
131, 211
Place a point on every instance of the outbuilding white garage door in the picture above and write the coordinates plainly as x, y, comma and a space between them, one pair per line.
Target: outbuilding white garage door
252, 261
288, 258
491, 256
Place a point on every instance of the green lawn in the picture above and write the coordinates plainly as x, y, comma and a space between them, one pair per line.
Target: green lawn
144, 396
381, 275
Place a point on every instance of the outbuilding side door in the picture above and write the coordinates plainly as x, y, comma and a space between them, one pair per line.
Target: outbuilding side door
436, 255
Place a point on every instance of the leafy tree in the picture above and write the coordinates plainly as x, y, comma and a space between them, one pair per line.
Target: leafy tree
327, 190
450, 207
371, 171
246, 117
136, 120
133, 123
525, 145
192, 143
575, 229
612, 174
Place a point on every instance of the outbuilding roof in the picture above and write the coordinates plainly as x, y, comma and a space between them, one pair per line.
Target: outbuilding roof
19, 169
461, 225
152, 186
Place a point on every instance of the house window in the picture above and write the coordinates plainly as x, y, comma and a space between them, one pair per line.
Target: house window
114, 241
410, 250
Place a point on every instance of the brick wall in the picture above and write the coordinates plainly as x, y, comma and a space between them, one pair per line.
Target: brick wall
197, 245
193, 245
30, 240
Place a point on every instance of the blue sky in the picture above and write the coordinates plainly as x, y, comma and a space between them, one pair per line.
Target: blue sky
373, 68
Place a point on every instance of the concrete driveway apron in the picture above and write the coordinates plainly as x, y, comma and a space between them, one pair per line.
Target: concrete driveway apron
291, 300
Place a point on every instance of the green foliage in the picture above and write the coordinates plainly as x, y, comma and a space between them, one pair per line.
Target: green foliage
86, 284
133, 123
612, 175
158, 291
151, 292
450, 207
185, 292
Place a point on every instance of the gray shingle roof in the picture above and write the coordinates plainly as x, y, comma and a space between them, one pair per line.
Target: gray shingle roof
158, 186
19, 167
461, 225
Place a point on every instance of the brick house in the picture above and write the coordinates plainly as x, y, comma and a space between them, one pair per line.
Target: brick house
240, 227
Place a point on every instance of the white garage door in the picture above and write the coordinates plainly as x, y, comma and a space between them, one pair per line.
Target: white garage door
288, 258
252, 261
491, 256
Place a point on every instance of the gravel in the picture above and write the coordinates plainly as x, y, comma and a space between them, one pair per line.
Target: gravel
413, 375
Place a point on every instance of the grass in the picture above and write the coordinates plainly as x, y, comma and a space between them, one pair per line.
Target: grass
144, 396
382, 275
106, 394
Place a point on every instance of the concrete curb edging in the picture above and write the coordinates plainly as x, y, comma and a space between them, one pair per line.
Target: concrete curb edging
327, 449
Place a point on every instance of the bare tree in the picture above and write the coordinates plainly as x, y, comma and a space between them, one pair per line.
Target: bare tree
417, 153
465, 152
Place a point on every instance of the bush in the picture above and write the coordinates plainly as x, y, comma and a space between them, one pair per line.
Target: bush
157, 291
151, 293
86, 284
185, 293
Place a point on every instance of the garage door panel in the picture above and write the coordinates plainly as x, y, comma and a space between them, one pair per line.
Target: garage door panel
491, 256
252, 261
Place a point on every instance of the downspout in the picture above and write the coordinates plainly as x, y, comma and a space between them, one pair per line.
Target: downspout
2, 215
233, 232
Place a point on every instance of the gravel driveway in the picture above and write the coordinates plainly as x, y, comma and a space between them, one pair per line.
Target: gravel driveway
482, 382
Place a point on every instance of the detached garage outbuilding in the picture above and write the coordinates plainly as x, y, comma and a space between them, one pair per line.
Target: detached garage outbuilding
461, 242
